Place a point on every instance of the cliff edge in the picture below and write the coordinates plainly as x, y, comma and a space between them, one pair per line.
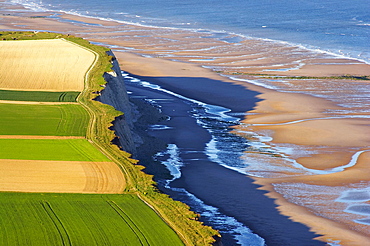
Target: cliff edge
115, 94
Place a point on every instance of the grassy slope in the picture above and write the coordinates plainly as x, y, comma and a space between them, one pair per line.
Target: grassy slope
175, 214
73, 219
47, 120
39, 96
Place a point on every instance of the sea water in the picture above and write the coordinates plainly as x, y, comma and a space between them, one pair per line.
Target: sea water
224, 148
338, 26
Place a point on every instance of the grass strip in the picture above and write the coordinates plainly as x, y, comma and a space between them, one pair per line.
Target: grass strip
176, 214
28, 35
39, 96
50, 149
44, 120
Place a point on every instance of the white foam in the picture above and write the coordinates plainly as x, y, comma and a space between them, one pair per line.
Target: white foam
362, 209
211, 109
355, 195
30, 5
296, 67
173, 163
254, 82
203, 59
160, 127
261, 160
350, 164
225, 224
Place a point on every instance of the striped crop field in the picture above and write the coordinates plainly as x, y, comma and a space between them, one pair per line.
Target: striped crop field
80, 219
43, 145
46, 120
62, 181
50, 149
61, 176
43, 65
39, 96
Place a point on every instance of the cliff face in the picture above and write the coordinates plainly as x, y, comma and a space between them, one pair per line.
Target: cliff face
115, 94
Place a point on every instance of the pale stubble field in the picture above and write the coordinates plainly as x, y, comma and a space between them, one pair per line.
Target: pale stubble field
43, 65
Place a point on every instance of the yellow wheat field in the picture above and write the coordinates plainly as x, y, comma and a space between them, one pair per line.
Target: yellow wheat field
45, 65
60, 176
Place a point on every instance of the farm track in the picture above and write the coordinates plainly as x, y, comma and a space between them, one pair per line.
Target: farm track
65, 239
135, 229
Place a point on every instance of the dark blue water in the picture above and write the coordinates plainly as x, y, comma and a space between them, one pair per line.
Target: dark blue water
338, 26
212, 119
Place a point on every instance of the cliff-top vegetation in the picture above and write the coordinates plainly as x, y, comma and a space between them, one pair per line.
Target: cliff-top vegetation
95, 146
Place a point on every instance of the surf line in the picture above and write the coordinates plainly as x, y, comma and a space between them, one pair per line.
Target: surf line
310, 119
221, 112
227, 225
211, 109
352, 163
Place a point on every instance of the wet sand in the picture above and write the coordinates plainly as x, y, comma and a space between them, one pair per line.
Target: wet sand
320, 134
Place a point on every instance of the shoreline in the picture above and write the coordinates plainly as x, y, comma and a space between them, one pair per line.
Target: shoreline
215, 185
271, 109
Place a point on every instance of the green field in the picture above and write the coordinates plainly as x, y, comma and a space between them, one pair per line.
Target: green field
75, 219
50, 149
47, 120
81, 219
39, 96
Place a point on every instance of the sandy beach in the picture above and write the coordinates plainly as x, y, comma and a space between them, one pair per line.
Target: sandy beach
313, 132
